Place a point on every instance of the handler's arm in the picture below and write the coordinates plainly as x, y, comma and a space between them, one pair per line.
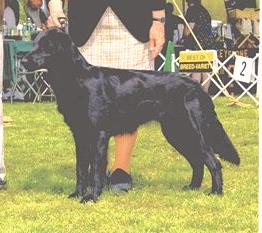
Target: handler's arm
157, 30
56, 11
157, 33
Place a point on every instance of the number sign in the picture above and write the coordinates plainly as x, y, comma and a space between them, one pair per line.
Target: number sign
243, 69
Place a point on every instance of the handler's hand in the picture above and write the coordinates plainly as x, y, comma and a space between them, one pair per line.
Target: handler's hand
56, 11
156, 38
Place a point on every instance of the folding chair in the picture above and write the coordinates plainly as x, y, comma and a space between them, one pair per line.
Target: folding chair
42, 87
32, 86
21, 86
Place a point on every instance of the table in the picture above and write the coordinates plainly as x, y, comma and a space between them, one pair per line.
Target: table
11, 50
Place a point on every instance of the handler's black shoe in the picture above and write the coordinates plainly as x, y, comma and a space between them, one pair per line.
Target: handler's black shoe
120, 181
2, 183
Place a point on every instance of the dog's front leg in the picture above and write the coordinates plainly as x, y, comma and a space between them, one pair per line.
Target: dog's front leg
98, 167
83, 161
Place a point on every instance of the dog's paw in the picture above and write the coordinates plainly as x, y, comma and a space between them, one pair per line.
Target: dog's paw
79, 192
74, 195
88, 198
216, 192
92, 194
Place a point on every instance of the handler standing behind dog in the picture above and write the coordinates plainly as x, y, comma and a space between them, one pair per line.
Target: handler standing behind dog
119, 34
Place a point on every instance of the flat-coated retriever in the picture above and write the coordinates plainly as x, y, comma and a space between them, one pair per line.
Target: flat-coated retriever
100, 102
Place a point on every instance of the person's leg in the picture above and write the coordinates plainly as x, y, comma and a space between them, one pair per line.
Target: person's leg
205, 77
124, 145
2, 165
112, 45
120, 179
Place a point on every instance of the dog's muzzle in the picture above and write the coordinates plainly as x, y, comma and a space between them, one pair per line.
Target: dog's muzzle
30, 63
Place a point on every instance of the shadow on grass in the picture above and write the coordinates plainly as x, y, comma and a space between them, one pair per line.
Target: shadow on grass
60, 180
169, 177
167, 180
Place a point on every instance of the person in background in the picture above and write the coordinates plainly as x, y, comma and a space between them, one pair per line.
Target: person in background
35, 13
172, 22
120, 34
200, 22
11, 13
44, 8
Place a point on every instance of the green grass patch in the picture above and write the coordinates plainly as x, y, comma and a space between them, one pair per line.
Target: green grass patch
40, 161
216, 8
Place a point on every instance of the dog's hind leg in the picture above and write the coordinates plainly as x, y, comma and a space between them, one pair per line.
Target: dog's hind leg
99, 147
197, 118
174, 130
197, 177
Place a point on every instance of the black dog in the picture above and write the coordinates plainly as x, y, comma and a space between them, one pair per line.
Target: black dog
99, 102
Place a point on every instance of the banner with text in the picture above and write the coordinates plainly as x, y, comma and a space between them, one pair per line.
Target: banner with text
197, 61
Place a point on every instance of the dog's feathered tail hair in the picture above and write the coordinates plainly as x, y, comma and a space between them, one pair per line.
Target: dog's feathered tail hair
222, 145
219, 139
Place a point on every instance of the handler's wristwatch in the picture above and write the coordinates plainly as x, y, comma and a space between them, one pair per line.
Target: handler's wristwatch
161, 19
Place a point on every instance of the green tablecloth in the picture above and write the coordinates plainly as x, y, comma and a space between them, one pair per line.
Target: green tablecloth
11, 49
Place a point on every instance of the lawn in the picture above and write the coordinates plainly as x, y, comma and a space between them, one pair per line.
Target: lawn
216, 8
39, 155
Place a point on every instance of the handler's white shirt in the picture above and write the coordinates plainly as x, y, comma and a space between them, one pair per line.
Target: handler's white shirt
9, 17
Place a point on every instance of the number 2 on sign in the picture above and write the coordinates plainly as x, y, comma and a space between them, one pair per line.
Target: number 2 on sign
244, 67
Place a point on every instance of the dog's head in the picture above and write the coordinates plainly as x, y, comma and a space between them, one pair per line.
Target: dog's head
50, 48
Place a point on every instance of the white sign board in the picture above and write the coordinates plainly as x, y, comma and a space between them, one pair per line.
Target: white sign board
243, 69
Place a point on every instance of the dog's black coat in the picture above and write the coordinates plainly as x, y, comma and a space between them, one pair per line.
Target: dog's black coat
99, 102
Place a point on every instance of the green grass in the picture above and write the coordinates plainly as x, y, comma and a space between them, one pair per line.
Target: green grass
216, 8
39, 155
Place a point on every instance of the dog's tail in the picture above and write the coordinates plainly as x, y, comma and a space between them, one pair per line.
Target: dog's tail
221, 143
219, 139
